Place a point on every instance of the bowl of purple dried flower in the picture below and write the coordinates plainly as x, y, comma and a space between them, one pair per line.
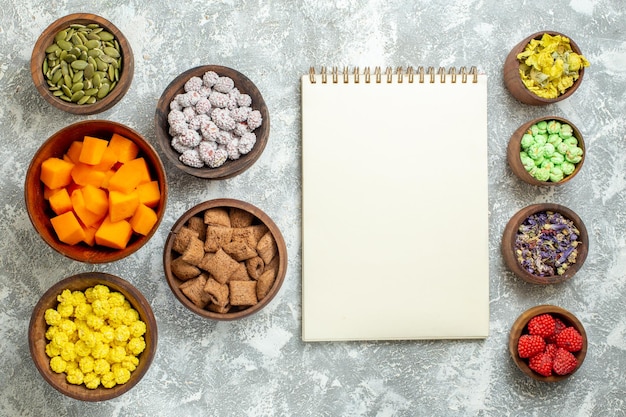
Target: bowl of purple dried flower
545, 243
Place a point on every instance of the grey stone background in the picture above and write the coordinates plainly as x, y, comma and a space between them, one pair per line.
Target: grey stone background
259, 366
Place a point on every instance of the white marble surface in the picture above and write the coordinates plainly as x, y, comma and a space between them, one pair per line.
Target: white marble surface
260, 366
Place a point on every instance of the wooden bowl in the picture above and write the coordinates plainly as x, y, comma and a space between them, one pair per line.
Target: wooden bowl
260, 218
514, 148
47, 38
513, 81
510, 233
230, 168
39, 210
520, 327
38, 327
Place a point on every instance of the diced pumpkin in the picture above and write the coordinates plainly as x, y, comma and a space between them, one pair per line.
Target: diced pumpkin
84, 174
96, 200
122, 205
92, 150
87, 217
56, 173
124, 148
149, 193
107, 176
67, 228
114, 234
143, 220
129, 176
109, 159
60, 201
73, 152
90, 234
47, 192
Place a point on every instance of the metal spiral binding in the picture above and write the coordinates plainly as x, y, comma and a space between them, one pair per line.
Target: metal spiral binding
422, 75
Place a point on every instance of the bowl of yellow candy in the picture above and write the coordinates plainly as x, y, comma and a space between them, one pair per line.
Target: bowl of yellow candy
544, 68
92, 336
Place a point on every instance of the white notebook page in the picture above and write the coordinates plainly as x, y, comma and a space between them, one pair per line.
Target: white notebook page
395, 210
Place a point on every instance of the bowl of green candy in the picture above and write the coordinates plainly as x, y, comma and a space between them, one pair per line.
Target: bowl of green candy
546, 151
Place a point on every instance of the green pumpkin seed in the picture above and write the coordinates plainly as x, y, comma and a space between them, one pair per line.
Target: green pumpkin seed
94, 53
67, 80
103, 91
78, 95
56, 76
79, 64
77, 87
52, 48
111, 73
83, 99
60, 35
76, 40
66, 90
91, 100
65, 45
69, 58
89, 71
92, 44
96, 80
65, 98
57, 93
112, 52
91, 91
106, 59
106, 36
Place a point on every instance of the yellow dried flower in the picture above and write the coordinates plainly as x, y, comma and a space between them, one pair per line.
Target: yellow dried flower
549, 66
91, 380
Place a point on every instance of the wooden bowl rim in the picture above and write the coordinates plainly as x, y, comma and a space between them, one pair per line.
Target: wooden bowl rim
230, 168
37, 327
510, 232
528, 96
35, 205
126, 73
515, 147
173, 282
519, 326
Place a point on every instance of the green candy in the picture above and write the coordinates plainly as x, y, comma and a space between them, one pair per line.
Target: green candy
535, 151
566, 131
571, 141
541, 139
542, 174
574, 154
542, 126
557, 158
527, 140
548, 150
567, 167
554, 139
556, 174
554, 127
527, 161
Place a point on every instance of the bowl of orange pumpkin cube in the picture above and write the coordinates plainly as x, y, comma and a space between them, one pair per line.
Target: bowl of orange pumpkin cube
96, 191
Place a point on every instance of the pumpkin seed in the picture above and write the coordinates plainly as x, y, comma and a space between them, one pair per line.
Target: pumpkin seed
79, 64
106, 36
78, 77
89, 71
103, 91
65, 98
78, 95
65, 45
112, 52
57, 93
66, 90
83, 99
60, 35
77, 87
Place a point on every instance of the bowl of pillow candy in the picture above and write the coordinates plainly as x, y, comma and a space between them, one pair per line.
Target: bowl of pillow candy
225, 259
212, 122
545, 243
548, 343
546, 151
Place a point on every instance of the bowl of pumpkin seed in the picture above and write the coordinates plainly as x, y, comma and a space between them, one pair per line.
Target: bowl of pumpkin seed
82, 64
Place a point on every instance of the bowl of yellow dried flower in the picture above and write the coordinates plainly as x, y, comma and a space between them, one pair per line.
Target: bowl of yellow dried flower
544, 68
92, 336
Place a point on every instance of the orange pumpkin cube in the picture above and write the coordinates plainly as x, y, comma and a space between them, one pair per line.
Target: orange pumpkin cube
60, 201
73, 152
92, 150
84, 174
130, 175
87, 217
122, 205
143, 220
149, 193
96, 200
114, 235
56, 173
124, 148
67, 228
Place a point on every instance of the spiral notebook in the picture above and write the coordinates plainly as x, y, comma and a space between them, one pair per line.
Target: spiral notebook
394, 204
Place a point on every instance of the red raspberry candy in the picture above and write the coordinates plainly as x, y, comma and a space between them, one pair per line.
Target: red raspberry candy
530, 345
541, 363
559, 326
569, 339
551, 350
542, 325
564, 362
